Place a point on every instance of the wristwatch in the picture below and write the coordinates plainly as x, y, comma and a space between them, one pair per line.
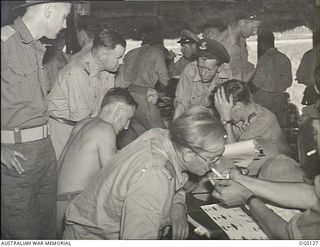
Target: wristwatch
226, 122
250, 198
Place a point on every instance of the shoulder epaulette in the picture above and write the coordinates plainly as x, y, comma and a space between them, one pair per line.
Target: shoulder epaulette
6, 33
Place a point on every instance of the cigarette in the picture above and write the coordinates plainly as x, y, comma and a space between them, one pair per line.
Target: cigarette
216, 172
311, 152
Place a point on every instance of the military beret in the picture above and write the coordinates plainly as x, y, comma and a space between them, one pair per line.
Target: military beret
33, 2
188, 37
210, 48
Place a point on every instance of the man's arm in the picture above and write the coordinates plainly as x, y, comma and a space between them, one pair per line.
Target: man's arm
234, 194
143, 206
106, 142
183, 93
178, 214
223, 106
294, 195
161, 68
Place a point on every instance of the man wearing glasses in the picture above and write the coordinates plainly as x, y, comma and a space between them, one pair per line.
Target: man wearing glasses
141, 192
200, 77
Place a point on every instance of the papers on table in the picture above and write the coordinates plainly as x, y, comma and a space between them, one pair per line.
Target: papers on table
237, 224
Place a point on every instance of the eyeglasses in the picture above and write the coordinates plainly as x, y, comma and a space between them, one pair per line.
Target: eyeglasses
209, 162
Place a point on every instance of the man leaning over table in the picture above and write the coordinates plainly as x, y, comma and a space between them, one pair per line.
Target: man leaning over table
82, 84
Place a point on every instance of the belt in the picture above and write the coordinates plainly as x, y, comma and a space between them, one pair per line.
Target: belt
17, 135
69, 196
64, 120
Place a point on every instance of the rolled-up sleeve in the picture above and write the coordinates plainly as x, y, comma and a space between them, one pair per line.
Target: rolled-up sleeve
161, 68
143, 207
183, 91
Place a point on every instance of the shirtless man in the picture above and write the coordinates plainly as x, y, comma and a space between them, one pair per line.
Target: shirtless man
90, 147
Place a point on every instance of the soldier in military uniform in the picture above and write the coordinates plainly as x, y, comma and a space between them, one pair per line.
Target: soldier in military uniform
200, 76
189, 48
28, 162
141, 191
82, 84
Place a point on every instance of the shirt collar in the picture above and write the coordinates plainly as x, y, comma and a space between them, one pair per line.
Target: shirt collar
23, 31
89, 64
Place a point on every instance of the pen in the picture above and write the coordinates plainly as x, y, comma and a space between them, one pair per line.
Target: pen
216, 172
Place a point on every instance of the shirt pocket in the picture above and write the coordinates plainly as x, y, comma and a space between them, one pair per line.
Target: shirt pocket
23, 79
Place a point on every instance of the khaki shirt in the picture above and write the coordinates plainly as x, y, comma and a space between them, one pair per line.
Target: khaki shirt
262, 123
273, 73
143, 67
239, 67
131, 198
23, 80
79, 90
177, 68
191, 91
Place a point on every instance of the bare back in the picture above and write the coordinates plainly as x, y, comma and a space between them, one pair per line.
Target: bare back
90, 147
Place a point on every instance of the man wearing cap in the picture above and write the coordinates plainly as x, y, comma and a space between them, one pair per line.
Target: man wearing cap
142, 69
82, 84
200, 77
233, 37
28, 162
189, 48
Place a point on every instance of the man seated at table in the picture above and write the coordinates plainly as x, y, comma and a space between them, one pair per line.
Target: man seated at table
200, 77
140, 192
301, 195
242, 118
91, 146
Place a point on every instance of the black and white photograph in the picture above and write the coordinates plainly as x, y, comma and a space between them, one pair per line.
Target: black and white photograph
160, 120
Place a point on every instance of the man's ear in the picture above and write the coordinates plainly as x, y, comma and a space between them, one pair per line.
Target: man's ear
119, 108
238, 106
102, 53
187, 154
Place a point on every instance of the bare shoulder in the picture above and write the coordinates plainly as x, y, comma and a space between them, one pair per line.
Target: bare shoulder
100, 129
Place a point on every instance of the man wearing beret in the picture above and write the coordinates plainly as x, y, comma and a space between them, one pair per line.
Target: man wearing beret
189, 48
200, 77
28, 162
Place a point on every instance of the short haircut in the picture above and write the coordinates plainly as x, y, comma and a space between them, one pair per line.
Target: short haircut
238, 89
196, 129
118, 94
109, 39
266, 37
90, 24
